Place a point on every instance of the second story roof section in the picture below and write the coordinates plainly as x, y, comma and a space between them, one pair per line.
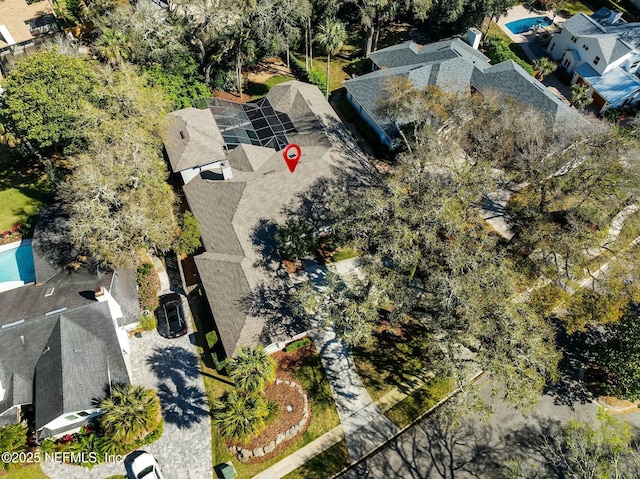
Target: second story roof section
603, 51
411, 53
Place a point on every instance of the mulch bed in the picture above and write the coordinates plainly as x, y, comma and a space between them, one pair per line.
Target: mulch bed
231, 96
284, 395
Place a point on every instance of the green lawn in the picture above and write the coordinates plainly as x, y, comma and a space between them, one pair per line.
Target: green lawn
307, 371
392, 359
568, 8
27, 472
420, 401
258, 90
23, 188
324, 465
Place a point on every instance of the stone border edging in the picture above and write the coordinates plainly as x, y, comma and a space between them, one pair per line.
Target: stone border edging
244, 455
401, 431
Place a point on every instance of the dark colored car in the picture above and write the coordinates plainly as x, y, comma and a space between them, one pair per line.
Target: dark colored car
172, 315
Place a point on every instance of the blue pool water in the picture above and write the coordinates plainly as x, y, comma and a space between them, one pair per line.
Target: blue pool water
526, 24
17, 265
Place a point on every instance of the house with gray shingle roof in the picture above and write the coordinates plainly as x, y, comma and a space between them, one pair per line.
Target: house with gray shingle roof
255, 190
454, 67
63, 340
602, 51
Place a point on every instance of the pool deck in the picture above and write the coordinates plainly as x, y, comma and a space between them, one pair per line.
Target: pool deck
518, 13
15, 244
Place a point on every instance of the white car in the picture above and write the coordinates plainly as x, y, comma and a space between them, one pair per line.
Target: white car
145, 466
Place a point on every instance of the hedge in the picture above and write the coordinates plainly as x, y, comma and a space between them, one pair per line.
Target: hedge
300, 343
498, 51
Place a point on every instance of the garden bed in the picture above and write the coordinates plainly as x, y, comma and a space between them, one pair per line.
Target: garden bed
285, 396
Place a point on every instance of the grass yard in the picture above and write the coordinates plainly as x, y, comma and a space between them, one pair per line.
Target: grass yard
394, 357
568, 8
420, 401
26, 472
324, 465
23, 188
337, 73
261, 88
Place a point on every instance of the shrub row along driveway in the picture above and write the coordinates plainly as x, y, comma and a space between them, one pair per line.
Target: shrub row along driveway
184, 451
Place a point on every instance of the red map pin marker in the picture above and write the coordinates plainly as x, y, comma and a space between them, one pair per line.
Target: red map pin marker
292, 154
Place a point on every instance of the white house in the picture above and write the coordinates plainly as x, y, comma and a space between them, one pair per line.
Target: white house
602, 51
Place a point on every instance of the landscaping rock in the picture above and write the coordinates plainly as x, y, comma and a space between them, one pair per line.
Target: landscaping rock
270, 447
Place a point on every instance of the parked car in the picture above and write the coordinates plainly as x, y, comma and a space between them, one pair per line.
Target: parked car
173, 320
145, 466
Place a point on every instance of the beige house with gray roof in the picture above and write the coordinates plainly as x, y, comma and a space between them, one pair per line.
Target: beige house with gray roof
236, 181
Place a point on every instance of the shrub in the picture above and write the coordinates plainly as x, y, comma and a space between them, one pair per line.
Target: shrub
219, 365
212, 339
318, 78
188, 240
620, 357
300, 343
148, 287
498, 51
13, 438
148, 322
225, 80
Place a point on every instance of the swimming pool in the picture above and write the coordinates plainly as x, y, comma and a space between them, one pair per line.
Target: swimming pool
526, 24
16, 266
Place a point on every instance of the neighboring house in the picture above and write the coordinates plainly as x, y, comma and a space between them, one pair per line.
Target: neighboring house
237, 184
63, 340
453, 66
602, 51
23, 26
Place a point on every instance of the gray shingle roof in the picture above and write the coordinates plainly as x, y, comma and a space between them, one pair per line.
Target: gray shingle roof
124, 290
83, 357
230, 212
451, 74
214, 203
410, 53
510, 80
226, 288
614, 41
191, 138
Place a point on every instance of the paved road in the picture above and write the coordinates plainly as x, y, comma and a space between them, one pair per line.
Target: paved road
432, 450
184, 450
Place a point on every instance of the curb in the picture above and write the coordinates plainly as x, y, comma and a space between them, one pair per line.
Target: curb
378, 448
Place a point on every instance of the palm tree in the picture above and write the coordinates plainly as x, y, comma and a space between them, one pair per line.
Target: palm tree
331, 36
295, 239
239, 416
580, 96
252, 368
13, 438
113, 46
130, 413
544, 66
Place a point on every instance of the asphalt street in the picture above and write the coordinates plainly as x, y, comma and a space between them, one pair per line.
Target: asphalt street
478, 448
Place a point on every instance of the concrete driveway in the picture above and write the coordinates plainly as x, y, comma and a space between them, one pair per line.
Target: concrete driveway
184, 451
432, 450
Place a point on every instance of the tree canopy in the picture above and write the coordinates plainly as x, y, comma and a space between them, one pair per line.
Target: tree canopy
44, 94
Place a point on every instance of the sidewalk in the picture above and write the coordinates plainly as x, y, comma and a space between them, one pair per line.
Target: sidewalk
324, 442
